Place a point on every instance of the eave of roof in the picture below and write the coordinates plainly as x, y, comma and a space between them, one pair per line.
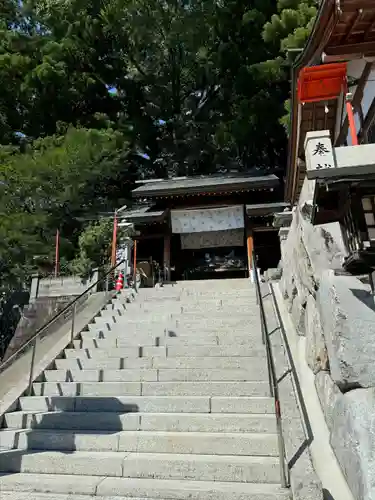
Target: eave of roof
144, 215
210, 185
265, 208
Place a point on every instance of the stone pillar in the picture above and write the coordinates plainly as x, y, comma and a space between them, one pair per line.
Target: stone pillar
167, 257
34, 290
94, 279
319, 152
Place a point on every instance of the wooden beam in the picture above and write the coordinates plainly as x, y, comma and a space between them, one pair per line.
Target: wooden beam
368, 30
356, 101
356, 17
354, 48
359, 4
368, 122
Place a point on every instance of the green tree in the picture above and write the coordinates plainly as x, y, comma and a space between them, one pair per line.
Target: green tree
188, 86
287, 30
94, 246
56, 184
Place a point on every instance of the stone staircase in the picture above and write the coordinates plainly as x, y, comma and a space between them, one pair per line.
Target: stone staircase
163, 398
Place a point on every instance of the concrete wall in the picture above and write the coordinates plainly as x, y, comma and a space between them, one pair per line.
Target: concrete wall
34, 316
48, 296
61, 286
336, 314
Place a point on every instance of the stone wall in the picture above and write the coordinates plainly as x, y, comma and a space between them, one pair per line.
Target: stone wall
61, 286
336, 313
34, 316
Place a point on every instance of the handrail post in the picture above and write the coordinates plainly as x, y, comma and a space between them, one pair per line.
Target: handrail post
31, 374
281, 446
73, 323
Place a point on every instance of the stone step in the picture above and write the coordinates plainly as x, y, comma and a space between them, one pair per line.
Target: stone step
240, 362
150, 404
199, 309
144, 465
230, 318
103, 363
147, 342
159, 330
107, 375
23, 486
116, 352
115, 421
113, 339
198, 443
236, 389
155, 375
216, 351
171, 351
256, 363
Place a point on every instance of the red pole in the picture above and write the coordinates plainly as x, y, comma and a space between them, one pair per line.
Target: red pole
114, 241
57, 252
349, 111
353, 133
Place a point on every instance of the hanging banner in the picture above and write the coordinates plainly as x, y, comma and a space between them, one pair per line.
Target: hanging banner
207, 219
213, 239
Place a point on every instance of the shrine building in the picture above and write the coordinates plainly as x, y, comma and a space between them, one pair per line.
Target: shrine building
206, 227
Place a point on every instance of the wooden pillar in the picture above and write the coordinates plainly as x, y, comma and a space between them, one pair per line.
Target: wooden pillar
250, 246
167, 257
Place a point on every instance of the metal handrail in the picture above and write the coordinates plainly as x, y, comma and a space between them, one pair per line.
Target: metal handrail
70, 308
274, 389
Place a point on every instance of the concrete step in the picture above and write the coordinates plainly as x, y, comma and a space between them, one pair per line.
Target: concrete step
239, 362
258, 388
155, 375
109, 375
233, 317
23, 486
86, 388
256, 363
171, 351
144, 465
210, 388
104, 363
215, 351
198, 443
62, 420
113, 421
148, 342
212, 374
150, 404
116, 352
115, 305
115, 339
159, 330
199, 309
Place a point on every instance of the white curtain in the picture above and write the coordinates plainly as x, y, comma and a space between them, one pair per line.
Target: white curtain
212, 239
207, 219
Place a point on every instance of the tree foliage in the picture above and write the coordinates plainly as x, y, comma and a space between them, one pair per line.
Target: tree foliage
94, 246
290, 29
99, 93
57, 184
